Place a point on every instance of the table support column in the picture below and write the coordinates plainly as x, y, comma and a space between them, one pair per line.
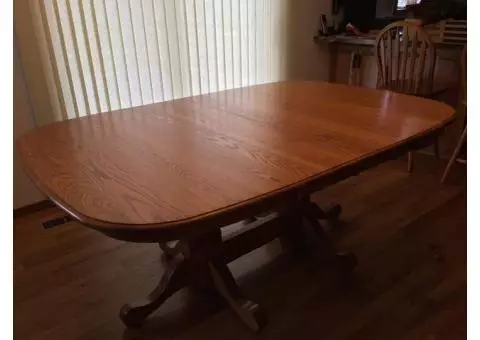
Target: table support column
201, 263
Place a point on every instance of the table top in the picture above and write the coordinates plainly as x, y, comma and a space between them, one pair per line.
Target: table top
163, 167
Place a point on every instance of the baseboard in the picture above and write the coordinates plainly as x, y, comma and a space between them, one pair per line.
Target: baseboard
32, 208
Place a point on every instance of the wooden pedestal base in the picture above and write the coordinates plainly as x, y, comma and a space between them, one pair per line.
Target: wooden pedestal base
202, 262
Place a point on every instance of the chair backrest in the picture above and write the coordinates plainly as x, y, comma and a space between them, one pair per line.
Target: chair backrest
406, 58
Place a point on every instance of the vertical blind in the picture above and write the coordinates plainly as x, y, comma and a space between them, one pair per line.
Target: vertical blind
111, 54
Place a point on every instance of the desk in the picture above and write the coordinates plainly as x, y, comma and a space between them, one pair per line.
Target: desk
359, 47
175, 173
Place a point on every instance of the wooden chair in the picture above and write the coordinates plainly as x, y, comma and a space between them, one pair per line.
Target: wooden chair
463, 107
406, 59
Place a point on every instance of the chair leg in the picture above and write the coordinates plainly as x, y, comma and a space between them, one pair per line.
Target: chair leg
410, 162
455, 155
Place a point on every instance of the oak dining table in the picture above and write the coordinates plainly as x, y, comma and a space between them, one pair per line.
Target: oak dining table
175, 173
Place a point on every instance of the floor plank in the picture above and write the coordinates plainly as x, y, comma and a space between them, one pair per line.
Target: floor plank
408, 231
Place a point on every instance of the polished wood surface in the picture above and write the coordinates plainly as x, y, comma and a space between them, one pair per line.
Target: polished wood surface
408, 232
165, 166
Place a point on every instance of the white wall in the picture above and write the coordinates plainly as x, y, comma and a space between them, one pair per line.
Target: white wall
306, 60
24, 192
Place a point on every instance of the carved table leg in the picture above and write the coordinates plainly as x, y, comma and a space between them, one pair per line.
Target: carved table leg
201, 262
172, 249
174, 278
310, 238
330, 213
195, 263
292, 237
211, 274
248, 311
343, 262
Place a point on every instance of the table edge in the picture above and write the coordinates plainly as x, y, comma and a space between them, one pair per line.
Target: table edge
193, 225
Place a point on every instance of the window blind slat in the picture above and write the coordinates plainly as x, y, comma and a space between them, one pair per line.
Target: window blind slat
159, 58
86, 41
142, 50
266, 29
110, 54
137, 51
129, 51
243, 31
201, 46
101, 62
247, 32
66, 88
260, 41
220, 44
210, 41
264, 42
215, 43
194, 53
78, 67
172, 47
203, 17
270, 40
236, 44
147, 48
188, 62
227, 33
238, 35
251, 41
122, 54
181, 44
192, 33
255, 46
108, 57
65, 57
279, 34
54, 62
166, 52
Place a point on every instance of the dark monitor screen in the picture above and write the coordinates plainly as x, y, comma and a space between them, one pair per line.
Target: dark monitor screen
434, 10
402, 4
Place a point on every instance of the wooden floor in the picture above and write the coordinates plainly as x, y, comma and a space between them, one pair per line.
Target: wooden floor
408, 231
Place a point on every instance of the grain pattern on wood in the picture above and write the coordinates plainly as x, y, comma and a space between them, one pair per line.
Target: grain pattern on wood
163, 167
